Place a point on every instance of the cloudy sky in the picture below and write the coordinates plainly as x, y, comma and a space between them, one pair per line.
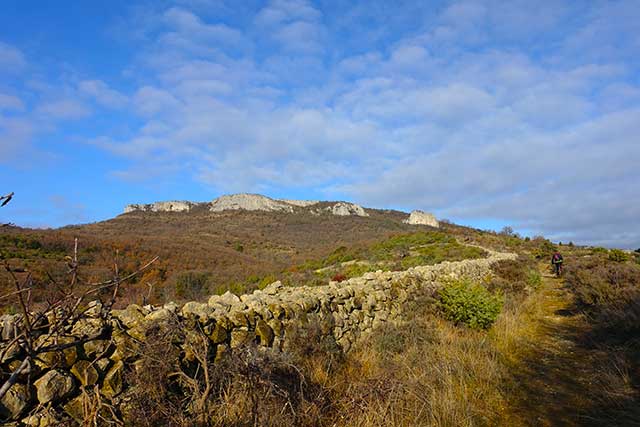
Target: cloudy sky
489, 113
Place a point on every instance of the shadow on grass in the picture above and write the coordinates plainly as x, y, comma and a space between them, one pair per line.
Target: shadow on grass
576, 376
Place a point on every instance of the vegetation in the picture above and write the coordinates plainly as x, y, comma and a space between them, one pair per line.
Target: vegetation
469, 303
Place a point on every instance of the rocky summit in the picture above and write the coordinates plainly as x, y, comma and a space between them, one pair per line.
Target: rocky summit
255, 202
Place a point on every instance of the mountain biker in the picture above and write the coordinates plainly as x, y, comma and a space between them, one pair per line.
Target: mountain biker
556, 262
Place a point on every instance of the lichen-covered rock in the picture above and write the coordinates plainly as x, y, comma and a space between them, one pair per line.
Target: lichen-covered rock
46, 418
75, 408
88, 328
8, 323
159, 315
58, 358
196, 309
126, 346
229, 298
95, 348
114, 380
131, 315
240, 337
218, 334
85, 372
54, 386
264, 332
15, 402
94, 309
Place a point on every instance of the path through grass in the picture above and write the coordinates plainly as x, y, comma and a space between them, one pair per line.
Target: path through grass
561, 379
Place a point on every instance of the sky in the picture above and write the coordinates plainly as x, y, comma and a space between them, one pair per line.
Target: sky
486, 113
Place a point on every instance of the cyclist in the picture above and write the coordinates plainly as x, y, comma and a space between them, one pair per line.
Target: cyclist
556, 262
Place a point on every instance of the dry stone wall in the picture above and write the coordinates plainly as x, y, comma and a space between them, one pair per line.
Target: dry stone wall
344, 311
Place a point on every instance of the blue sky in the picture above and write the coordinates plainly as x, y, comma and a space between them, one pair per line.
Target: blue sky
485, 112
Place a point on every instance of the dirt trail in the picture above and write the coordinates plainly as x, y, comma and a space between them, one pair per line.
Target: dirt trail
561, 381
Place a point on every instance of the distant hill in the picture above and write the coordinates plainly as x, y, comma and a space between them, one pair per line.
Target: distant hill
223, 243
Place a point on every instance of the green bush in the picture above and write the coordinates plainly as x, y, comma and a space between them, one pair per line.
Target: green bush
469, 303
534, 279
617, 255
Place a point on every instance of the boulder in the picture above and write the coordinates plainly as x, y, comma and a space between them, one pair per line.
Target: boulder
196, 309
114, 380
84, 371
218, 334
54, 386
264, 332
14, 403
422, 218
130, 316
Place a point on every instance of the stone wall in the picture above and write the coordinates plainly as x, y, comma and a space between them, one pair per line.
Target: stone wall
345, 311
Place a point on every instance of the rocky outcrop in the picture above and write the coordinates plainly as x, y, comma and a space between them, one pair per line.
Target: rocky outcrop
347, 209
343, 312
171, 206
249, 202
422, 218
300, 203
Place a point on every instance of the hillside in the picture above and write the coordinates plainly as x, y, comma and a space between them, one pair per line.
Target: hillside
211, 248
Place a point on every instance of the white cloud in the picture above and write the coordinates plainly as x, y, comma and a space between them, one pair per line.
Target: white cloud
191, 28
10, 102
11, 59
63, 109
150, 100
102, 93
294, 24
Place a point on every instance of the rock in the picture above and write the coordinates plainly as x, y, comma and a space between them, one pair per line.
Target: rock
347, 209
75, 408
171, 306
264, 332
84, 371
197, 310
221, 352
59, 358
46, 418
14, 403
249, 202
87, 328
160, 315
229, 298
130, 316
13, 352
126, 347
238, 318
422, 218
54, 386
96, 347
218, 334
170, 206
103, 365
273, 288
113, 381
240, 337
9, 324
276, 326
94, 309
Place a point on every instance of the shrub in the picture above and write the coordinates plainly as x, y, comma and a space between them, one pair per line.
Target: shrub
192, 284
534, 279
339, 277
617, 255
469, 303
